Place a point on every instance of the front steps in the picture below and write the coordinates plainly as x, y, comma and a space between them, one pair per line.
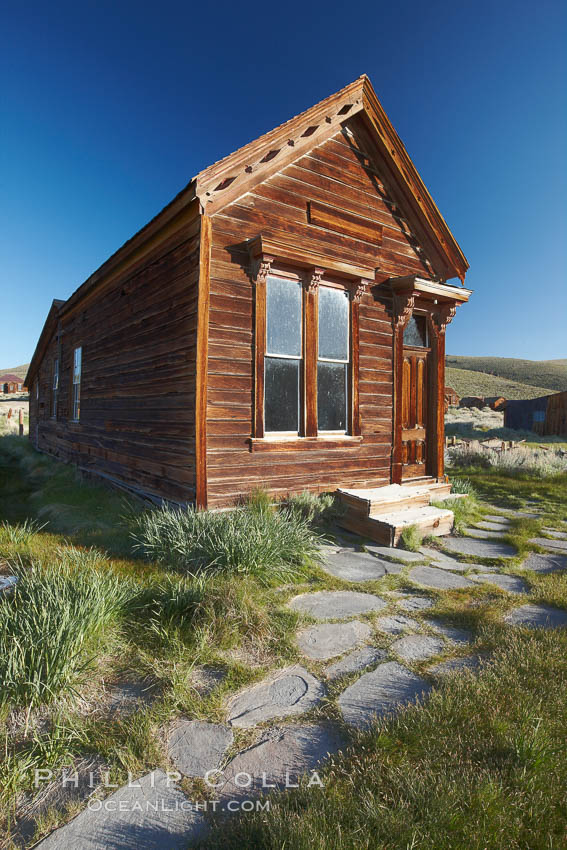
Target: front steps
382, 513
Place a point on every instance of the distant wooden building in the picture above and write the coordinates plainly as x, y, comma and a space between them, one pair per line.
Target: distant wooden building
472, 401
11, 384
451, 398
495, 402
280, 324
546, 415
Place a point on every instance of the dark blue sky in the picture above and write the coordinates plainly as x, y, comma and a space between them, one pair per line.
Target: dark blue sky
109, 108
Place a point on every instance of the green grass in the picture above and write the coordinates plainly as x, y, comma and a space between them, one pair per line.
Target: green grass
411, 538
482, 764
470, 382
551, 374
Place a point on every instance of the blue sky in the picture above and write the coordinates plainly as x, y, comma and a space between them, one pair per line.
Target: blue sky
109, 108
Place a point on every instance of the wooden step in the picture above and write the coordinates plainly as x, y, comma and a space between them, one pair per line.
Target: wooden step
387, 528
380, 500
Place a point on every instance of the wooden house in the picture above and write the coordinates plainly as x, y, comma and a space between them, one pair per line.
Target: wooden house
451, 398
546, 415
11, 384
280, 324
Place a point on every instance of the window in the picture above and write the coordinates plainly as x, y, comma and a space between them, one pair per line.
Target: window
283, 357
333, 360
306, 359
415, 332
37, 389
76, 399
55, 388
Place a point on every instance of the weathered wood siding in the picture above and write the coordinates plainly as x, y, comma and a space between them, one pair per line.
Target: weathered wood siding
343, 174
138, 335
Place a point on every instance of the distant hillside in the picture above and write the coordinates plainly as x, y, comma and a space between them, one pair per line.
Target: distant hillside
550, 374
469, 382
20, 371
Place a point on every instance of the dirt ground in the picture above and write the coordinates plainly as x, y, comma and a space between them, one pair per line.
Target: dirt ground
16, 401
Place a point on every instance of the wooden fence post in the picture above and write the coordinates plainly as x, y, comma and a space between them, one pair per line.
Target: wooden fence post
21, 423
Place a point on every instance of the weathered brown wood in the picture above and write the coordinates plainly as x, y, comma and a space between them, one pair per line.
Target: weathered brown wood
344, 222
202, 363
310, 336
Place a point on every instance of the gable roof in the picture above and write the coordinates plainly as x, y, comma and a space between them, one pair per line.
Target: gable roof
10, 379
236, 174
47, 332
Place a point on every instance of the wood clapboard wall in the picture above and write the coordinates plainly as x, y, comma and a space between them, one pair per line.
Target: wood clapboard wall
138, 334
346, 174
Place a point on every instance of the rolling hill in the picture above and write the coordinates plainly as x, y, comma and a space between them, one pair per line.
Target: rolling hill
468, 382
549, 375
20, 371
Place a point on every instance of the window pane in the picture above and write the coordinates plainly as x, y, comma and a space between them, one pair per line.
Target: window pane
333, 323
415, 332
332, 396
283, 307
281, 395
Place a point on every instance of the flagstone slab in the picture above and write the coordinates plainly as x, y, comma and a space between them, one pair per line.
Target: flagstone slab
416, 603
551, 532
479, 548
403, 555
355, 661
482, 534
417, 647
545, 543
496, 518
490, 525
126, 697
526, 515
278, 760
545, 563
356, 566
289, 692
452, 633
533, 616
456, 665
8, 583
153, 814
443, 561
330, 639
196, 747
438, 579
380, 692
395, 624
336, 604
512, 584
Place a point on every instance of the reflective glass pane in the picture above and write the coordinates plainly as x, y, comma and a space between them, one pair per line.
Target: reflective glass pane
332, 396
283, 307
333, 323
281, 394
415, 332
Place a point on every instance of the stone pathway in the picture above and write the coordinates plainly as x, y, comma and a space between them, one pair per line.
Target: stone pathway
545, 563
397, 554
559, 535
289, 692
452, 633
438, 579
394, 624
380, 692
336, 604
537, 615
456, 665
512, 584
417, 647
495, 524
443, 561
356, 661
416, 603
358, 566
482, 534
331, 639
545, 543
153, 813
196, 747
479, 548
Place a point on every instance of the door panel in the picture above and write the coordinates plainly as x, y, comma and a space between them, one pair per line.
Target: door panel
414, 413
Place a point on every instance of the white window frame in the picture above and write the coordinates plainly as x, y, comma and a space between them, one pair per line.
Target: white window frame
55, 388
346, 363
76, 395
297, 358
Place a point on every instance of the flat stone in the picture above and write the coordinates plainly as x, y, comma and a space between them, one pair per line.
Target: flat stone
495, 518
481, 534
439, 579
480, 548
403, 555
526, 515
395, 624
551, 532
545, 563
330, 639
443, 561
416, 603
278, 760
336, 604
289, 692
127, 697
196, 747
456, 665
355, 566
153, 814
488, 525
417, 647
356, 661
379, 693
452, 633
545, 543
512, 584
7, 583
537, 615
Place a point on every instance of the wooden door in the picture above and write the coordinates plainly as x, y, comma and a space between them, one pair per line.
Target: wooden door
414, 412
